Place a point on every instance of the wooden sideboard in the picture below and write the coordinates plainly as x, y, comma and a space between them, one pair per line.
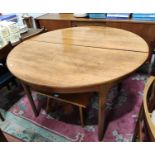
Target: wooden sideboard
51, 21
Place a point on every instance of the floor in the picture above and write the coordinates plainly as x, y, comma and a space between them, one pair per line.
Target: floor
61, 126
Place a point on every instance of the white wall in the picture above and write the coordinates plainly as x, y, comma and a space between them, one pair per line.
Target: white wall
36, 14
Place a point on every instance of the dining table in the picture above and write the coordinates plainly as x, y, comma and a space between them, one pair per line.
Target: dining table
78, 60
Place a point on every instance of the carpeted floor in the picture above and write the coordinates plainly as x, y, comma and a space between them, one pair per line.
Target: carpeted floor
59, 126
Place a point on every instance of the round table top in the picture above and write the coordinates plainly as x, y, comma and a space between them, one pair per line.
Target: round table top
78, 57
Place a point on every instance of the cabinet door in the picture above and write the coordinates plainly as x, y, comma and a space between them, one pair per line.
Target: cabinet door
53, 24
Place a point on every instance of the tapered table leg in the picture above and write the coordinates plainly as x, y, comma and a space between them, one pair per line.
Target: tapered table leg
2, 137
29, 95
81, 116
103, 93
1, 117
49, 105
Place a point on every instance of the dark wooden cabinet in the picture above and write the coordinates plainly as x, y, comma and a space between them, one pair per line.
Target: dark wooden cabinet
145, 29
53, 25
87, 23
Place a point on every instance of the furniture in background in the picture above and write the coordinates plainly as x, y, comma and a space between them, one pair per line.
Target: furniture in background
87, 61
5, 76
52, 21
9, 17
144, 124
28, 20
80, 100
31, 33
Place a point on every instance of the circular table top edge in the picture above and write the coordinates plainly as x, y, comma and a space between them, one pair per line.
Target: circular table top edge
76, 87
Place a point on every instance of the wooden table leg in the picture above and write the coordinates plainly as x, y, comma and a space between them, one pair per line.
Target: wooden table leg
29, 95
2, 137
49, 105
102, 112
1, 117
81, 116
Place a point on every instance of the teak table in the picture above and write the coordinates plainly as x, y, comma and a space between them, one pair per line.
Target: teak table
76, 60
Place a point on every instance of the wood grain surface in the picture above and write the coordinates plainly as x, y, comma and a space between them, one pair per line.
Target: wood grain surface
77, 57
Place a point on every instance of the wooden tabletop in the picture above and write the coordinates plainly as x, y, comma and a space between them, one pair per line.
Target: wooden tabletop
77, 57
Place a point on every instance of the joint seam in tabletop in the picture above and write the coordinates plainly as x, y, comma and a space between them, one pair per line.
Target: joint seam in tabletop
67, 38
89, 46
